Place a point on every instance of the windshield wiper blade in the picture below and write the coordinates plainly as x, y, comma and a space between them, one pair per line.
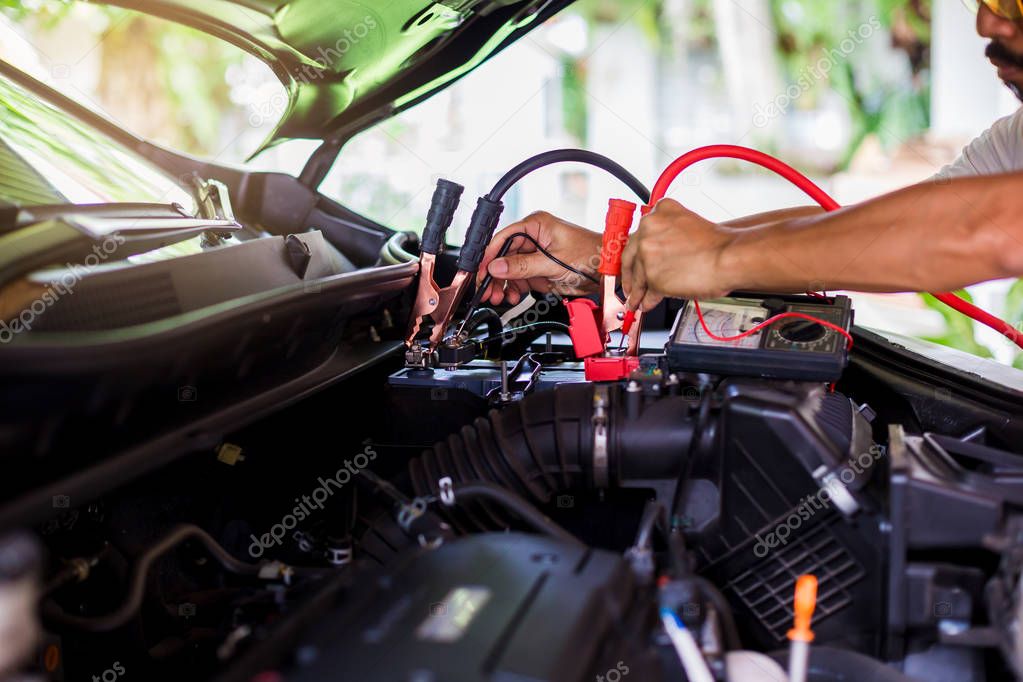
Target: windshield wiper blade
16, 217
98, 228
27, 215
100, 220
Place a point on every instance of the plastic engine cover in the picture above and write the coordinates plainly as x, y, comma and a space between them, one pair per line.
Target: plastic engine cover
495, 607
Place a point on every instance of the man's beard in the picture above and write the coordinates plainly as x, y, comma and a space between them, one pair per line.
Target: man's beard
1001, 53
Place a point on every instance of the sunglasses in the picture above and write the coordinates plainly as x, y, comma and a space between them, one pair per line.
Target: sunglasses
1007, 9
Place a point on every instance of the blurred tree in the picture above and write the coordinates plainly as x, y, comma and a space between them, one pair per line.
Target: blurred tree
180, 102
878, 103
176, 76
644, 13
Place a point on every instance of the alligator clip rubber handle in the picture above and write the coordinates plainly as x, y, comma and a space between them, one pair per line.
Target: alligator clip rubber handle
481, 230
446, 198
616, 235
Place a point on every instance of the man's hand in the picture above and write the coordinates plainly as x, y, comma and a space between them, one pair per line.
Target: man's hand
674, 253
525, 269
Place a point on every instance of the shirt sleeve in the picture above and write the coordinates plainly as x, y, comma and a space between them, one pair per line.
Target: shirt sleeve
998, 150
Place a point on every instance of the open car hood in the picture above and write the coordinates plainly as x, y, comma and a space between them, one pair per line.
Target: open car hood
349, 63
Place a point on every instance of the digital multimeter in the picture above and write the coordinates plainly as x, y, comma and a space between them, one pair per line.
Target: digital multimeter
792, 348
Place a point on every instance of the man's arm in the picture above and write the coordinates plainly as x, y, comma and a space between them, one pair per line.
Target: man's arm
935, 236
773, 217
523, 269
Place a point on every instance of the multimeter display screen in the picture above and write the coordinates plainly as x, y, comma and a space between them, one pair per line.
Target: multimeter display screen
725, 318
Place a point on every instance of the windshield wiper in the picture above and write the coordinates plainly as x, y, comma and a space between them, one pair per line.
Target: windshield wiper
33, 214
98, 228
101, 220
15, 217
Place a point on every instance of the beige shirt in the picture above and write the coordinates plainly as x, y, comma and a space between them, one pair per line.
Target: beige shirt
998, 150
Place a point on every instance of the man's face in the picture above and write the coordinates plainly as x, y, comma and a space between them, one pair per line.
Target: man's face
1006, 48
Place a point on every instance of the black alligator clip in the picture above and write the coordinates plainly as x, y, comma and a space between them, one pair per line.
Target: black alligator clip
428, 297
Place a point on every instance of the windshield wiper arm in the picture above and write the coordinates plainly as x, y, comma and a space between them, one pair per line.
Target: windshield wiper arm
28, 215
101, 220
98, 228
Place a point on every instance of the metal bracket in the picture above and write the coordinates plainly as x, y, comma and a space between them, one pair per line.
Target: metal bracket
600, 451
447, 491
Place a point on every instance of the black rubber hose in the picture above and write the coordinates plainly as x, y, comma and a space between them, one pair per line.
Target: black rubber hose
655, 516
482, 490
536, 447
569, 156
828, 664
724, 609
543, 445
137, 588
678, 500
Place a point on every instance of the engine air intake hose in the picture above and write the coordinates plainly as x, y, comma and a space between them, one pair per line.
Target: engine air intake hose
550, 443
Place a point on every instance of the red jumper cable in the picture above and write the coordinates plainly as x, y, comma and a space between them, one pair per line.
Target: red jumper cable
826, 202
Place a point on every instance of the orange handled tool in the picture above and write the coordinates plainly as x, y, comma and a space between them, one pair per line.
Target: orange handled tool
801, 635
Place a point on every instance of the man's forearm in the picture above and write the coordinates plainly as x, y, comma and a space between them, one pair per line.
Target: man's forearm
929, 237
774, 217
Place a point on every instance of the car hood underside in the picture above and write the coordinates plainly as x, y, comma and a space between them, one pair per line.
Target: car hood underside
349, 63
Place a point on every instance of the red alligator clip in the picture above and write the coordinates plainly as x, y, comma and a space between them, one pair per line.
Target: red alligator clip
590, 325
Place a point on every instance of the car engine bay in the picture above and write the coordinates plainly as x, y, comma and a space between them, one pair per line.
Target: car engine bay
303, 487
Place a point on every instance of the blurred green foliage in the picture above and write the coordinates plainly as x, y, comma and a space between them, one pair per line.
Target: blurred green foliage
1014, 314
959, 331
878, 106
191, 94
573, 97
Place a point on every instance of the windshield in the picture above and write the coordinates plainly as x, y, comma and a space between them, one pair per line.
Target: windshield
48, 157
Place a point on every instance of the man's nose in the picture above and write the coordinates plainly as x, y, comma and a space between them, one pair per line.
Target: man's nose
990, 25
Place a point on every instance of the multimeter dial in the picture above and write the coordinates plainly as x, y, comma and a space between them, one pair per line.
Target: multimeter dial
801, 332
805, 335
